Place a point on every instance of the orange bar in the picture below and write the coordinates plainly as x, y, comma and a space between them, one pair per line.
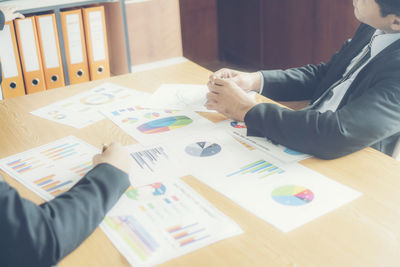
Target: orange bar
44, 179
50, 185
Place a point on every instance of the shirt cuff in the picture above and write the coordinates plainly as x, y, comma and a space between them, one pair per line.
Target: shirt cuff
262, 82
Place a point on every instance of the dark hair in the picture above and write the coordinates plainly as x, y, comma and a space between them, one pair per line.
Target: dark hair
388, 7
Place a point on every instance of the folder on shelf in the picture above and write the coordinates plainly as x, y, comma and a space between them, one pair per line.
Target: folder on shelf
75, 46
13, 82
96, 42
29, 53
50, 50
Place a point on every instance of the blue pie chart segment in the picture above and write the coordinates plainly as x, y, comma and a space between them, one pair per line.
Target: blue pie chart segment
203, 149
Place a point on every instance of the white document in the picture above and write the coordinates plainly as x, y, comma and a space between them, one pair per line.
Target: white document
7, 55
154, 164
150, 126
161, 221
84, 109
285, 195
51, 169
213, 151
282, 153
180, 97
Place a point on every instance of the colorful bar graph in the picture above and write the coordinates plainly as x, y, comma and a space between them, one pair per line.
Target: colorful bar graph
83, 168
261, 168
124, 110
24, 165
188, 234
52, 185
62, 151
134, 234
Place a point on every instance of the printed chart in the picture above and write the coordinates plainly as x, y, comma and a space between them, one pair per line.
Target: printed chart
281, 153
84, 109
154, 164
149, 129
51, 169
285, 195
292, 195
260, 168
163, 221
203, 149
208, 152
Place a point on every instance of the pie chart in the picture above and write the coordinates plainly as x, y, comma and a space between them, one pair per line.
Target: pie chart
292, 195
238, 125
97, 99
203, 149
164, 124
292, 152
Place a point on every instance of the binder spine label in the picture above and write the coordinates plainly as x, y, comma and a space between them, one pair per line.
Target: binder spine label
7, 54
74, 38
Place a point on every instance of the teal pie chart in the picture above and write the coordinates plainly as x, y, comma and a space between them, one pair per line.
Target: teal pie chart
164, 124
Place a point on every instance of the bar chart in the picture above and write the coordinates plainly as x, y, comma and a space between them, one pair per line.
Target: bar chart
51, 169
261, 169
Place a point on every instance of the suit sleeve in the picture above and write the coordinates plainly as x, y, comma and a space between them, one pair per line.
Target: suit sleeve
2, 20
362, 122
42, 235
297, 83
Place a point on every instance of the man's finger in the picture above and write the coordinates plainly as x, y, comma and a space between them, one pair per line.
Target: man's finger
223, 82
215, 88
212, 97
211, 105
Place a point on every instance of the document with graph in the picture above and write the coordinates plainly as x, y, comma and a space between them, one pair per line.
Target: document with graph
51, 169
155, 126
239, 131
161, 221
154, 163
83, 109
285, 195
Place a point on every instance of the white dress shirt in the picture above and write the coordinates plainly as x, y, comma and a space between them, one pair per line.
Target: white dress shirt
380, 41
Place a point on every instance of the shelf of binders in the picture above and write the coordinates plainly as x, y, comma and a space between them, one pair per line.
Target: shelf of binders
82, 42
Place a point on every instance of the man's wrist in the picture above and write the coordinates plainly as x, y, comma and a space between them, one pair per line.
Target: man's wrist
258, 82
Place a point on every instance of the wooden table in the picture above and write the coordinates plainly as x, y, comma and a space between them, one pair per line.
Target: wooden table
365, 232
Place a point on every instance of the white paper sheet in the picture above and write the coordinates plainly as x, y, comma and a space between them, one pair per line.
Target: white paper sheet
285, 195
158, 222
282, 153
149, 126
84, 109
51, 169
180, 97
154, 164
207, 152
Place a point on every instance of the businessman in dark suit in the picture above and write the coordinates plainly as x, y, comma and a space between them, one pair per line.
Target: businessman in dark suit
32, 235
355, 97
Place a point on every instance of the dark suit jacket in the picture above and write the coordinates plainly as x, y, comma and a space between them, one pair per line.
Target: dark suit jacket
369, 114
32, 235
